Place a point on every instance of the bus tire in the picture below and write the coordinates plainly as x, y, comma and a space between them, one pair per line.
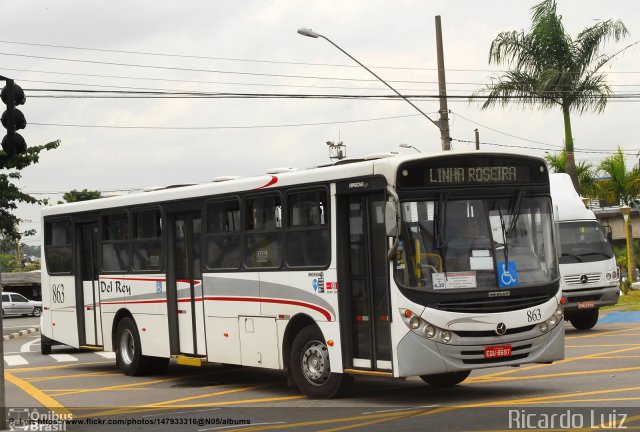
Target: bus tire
310, 368
584, 320
129, 349
447, 379
45, 345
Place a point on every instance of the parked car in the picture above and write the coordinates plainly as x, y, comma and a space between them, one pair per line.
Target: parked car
17, 304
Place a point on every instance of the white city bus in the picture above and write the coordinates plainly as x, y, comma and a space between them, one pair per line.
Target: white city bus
589, 274
427, 266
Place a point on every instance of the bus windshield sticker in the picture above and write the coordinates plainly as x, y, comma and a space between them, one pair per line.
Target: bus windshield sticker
507, 274
454, 280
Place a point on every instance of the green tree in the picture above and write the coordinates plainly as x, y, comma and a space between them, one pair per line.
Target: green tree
584, 170
83, 195
550, 69
622, 185
10, 194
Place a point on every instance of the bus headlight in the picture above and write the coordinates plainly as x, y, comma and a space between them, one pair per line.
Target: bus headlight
423, 328
553, 321
414, 322
430, 331
543, 327
446, 336
559, 312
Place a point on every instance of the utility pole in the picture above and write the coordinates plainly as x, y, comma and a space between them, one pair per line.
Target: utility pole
477, 139
3, 404
442, 90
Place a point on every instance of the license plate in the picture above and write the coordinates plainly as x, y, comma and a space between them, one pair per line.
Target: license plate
586, 305
497, 351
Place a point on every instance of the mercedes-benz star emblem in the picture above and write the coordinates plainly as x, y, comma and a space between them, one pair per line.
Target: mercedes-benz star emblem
584, 279
501, 329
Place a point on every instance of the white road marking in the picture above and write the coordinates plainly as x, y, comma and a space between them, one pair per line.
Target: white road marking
107, 354
63, 358
27, 346
15, 360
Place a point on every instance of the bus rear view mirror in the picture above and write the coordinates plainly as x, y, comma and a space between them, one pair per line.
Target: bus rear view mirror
391, 219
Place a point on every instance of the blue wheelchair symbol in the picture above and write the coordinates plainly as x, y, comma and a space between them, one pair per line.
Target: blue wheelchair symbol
315, 284
507, 274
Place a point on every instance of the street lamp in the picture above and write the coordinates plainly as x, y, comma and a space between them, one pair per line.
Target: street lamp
312, 34
403, 145
626, 212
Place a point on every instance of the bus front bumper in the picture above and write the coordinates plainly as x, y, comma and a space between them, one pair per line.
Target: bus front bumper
421, 356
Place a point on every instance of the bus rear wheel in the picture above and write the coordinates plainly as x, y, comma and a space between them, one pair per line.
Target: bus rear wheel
129, 349
447, 379
310, 366
585, 320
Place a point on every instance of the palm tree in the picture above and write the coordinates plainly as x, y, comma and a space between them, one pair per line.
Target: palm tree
584, 170
622, 185
550, 69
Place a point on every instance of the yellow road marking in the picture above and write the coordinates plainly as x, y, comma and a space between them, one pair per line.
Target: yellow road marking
115, 387
81, 375
561, 374
42, 368
596, 334
171, 403
37, 394
485, 377
602, 345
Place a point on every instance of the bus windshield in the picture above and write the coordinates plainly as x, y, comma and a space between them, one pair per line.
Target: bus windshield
583, 242
476, 244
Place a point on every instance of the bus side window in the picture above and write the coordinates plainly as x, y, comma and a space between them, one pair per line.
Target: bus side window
223, 239
57, 246
115, 242
147, 240
308, 240
263, 245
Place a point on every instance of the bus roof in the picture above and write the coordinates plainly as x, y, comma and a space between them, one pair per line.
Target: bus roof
566, 199
372, 165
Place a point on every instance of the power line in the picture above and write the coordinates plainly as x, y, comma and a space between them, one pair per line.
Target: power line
576, 150
223, 127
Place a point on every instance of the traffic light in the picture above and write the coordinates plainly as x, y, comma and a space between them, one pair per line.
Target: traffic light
13, 119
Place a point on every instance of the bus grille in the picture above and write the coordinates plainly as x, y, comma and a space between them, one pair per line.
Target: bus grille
491, 305
575, 279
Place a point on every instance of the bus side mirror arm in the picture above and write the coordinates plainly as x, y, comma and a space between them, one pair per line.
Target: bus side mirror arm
392, 217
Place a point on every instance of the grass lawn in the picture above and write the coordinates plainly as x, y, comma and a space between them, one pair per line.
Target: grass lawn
627, 302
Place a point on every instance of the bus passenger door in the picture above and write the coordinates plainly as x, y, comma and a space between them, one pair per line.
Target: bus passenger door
364, 282
184, 283
87, 285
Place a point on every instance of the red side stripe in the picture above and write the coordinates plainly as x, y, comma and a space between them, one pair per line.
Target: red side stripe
324, 312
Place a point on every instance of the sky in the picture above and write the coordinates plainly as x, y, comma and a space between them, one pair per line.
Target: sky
118, 143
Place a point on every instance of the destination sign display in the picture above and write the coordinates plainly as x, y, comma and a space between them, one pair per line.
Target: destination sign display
472, 171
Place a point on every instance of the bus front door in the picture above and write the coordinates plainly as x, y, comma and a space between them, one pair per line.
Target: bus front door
184, 280
364, 285
88, 287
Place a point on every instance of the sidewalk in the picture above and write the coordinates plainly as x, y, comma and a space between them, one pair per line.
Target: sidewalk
20, 333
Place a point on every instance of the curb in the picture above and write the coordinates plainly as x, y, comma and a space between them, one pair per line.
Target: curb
20, 333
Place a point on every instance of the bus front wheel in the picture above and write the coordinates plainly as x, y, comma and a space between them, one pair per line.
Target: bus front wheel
129, 349
584, 320
310, 366
447, 379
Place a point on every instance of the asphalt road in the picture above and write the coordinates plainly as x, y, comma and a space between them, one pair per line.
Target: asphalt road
13, 324
596, 385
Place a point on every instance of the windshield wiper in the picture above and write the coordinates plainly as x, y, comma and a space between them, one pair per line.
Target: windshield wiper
504, 237
441, 225
515, 213
577, 257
